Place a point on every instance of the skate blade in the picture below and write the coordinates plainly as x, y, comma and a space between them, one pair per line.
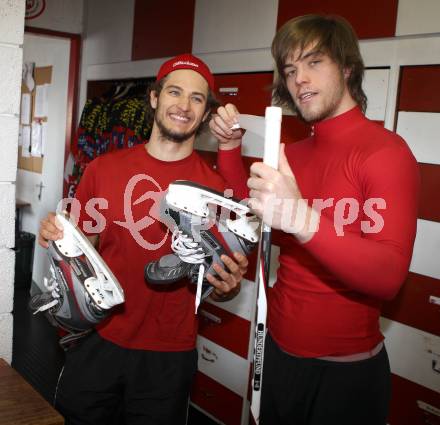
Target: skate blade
105, 289
194, 198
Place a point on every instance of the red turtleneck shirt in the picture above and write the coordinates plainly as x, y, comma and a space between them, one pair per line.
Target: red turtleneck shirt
328, 294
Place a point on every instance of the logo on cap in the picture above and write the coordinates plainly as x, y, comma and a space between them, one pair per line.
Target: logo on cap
185, 63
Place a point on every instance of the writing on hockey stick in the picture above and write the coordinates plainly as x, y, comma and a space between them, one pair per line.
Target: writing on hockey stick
258, 360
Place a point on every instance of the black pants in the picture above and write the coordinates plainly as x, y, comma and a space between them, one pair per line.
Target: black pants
102, 383
302, 391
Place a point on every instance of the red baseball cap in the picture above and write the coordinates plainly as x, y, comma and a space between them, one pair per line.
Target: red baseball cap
186, 61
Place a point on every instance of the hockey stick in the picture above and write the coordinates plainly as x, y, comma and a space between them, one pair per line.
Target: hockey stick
272, 131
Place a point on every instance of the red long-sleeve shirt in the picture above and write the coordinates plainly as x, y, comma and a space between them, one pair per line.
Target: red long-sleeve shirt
328, 293
152, 318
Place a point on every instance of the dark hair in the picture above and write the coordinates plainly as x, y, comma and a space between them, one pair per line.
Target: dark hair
334, 36
211, 104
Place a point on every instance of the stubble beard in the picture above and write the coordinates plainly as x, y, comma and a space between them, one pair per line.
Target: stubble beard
324, 111
173, 136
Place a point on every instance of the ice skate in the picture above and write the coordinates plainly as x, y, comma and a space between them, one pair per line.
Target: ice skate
81, 289
201, 235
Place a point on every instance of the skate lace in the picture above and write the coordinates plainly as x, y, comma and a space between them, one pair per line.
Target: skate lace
53, 288
186, 248
189, 251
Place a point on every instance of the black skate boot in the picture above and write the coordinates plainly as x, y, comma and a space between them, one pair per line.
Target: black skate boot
201, 235
80, 289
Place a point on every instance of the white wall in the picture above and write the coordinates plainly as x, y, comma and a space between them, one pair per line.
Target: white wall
231, 25
11, 39
107, 35
54, 52
108, 31
418, 17
60, 15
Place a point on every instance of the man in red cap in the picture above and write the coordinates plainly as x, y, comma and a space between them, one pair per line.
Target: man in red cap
140, 363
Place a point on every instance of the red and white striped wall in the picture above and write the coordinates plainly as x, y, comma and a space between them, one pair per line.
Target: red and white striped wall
411, 322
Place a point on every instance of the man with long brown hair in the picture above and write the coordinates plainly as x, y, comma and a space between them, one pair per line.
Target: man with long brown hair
345, 202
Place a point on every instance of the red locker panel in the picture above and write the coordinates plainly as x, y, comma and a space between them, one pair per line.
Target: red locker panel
419, 88
252, 267
250, 92
224, 328
411, 404
412, 305
216, 399
429, 204
159, 33
370, 19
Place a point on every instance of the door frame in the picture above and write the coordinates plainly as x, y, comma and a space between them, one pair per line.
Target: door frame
73, 81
